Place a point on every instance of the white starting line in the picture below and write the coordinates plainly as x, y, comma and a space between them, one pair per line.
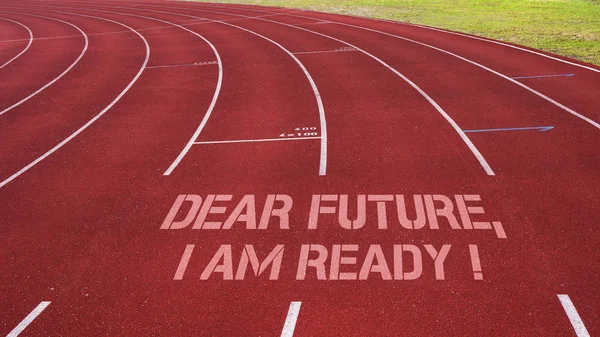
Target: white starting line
254, 140
574, 317
290, 321
27, 320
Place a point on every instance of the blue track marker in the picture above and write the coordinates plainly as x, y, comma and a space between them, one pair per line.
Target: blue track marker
542, 76
539, 128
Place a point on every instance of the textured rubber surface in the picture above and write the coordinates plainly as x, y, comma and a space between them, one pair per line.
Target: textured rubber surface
403, 107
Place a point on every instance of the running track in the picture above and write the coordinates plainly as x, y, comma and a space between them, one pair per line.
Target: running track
110, 110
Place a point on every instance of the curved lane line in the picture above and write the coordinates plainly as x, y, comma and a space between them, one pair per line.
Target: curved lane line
95, 118
190, 143
486, 167
85, 47
322, 121
26, 47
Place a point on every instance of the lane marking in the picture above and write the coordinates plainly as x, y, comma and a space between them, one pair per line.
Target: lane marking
574, 317
27, 320
254, 140
95, 118
488, 170
542, 76
215, 96
539, 128
290, 321
320, 106
325, 51
85, 47
26, 47
569, 110
184, 65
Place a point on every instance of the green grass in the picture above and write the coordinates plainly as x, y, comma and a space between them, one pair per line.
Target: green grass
565, 27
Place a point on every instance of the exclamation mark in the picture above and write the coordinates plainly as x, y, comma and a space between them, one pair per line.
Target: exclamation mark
477, 274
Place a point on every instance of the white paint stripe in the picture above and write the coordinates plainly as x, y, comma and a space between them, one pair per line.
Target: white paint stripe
255, 140
576, 321
569, 110
95, 118
323, 51
213, 102
27, 320
488, 170
425, 27
290, 321
322, 121
24, 49
85, 47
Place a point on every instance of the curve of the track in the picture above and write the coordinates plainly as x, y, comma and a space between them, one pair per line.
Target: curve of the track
12, 41
82, 226
31, 75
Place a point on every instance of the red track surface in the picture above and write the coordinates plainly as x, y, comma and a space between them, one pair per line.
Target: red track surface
81, 227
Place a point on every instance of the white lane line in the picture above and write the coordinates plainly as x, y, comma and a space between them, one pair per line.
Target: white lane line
539, 94
290, 321
425, 27
95, 118
255, 140
211, 107
486, 167
323, 51
85, 47
24, 49
576, 321
27, 320
322, 121
184, 65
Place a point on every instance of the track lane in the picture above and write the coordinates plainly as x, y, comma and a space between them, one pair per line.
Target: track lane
7, 49
60, 123
129, 117
24, 79
227, 126
321, 113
